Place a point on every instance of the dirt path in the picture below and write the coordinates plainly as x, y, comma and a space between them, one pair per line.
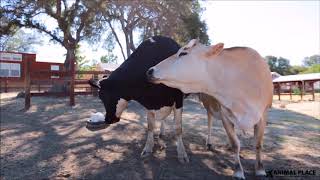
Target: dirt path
50, 141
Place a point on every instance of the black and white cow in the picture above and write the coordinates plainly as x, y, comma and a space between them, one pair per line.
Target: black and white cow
129, 82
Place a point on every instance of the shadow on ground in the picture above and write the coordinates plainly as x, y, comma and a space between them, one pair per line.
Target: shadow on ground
50, 141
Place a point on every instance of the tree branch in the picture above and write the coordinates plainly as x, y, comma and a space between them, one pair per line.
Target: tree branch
116, 37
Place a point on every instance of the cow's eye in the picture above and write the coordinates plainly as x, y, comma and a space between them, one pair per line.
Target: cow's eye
182, 54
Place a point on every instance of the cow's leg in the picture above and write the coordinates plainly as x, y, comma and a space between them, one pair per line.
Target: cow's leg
147, 150
182, 155
238, 173
259, 133
229, 128
161, 115
162, 128
209, 140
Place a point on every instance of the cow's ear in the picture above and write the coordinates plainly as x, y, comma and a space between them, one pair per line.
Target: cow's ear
192, 43
215, 49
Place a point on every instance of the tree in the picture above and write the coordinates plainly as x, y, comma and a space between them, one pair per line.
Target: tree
109, 58
279, 65
72, 20
20, 41
81, 61
315, 68
297, 69
312, 60
177, 19
192, 27
283, 66
272, 62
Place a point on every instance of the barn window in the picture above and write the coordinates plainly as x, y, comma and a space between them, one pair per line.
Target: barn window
10, 56
10, 70
14, 70
55, 68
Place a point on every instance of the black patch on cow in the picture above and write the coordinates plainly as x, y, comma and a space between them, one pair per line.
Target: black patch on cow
129, 80
183, 54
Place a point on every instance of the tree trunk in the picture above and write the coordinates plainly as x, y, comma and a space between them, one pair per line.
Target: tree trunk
127, 42
64, 86
131, 41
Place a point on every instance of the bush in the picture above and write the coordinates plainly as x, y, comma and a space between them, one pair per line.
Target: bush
296, 91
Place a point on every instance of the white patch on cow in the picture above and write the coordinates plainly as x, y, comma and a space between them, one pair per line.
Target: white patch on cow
163, 112
152, 40
121, 106
96, 117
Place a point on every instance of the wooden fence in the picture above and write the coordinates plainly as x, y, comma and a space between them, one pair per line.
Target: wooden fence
64, 77
301, 85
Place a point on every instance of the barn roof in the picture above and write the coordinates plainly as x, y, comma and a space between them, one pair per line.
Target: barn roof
298, 77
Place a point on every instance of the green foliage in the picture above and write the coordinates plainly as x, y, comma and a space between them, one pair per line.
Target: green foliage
76, 20
177, 19
296, 91
297, 69
80, 60
312, 60
193, 28
315, 68
20, 41
279, 65
109, 58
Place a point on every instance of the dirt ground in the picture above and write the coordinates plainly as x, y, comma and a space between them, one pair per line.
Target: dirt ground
50, 141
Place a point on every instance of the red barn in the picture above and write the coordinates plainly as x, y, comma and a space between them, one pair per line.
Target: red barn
12, 69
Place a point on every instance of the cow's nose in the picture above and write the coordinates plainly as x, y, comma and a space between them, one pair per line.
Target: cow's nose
150, 73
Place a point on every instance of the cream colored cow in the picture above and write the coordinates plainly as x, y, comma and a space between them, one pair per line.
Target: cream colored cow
238, 78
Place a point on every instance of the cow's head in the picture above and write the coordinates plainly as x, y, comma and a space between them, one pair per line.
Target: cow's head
187, 69
113, 103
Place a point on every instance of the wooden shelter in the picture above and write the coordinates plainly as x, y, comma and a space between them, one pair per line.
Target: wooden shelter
304, 82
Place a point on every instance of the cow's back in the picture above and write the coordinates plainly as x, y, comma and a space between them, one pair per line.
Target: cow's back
130, 78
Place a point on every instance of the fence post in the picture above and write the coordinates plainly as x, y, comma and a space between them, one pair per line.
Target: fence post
302, 89
6, 85
95, 90
312, 89
72, 102
290, 91
279, 89
27, 84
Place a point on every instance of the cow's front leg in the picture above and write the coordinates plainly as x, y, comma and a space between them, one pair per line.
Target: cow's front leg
182, 155
147, 150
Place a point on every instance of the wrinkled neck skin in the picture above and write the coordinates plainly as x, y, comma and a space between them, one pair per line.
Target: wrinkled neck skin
196, 82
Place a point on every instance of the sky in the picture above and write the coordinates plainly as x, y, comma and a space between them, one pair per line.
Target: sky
289, 29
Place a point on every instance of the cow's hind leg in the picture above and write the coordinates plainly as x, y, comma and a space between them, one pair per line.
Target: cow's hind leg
147, 150
182, 155
259, 133
209, 137
162, 128
238, 172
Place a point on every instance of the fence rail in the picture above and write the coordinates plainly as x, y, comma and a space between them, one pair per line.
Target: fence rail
63, 77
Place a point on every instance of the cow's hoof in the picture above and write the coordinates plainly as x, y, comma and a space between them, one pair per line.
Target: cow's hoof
239, 175
145, 154
210, 147
95, 126
261, 172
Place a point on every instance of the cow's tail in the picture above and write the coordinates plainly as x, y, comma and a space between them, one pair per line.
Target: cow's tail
94, 83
